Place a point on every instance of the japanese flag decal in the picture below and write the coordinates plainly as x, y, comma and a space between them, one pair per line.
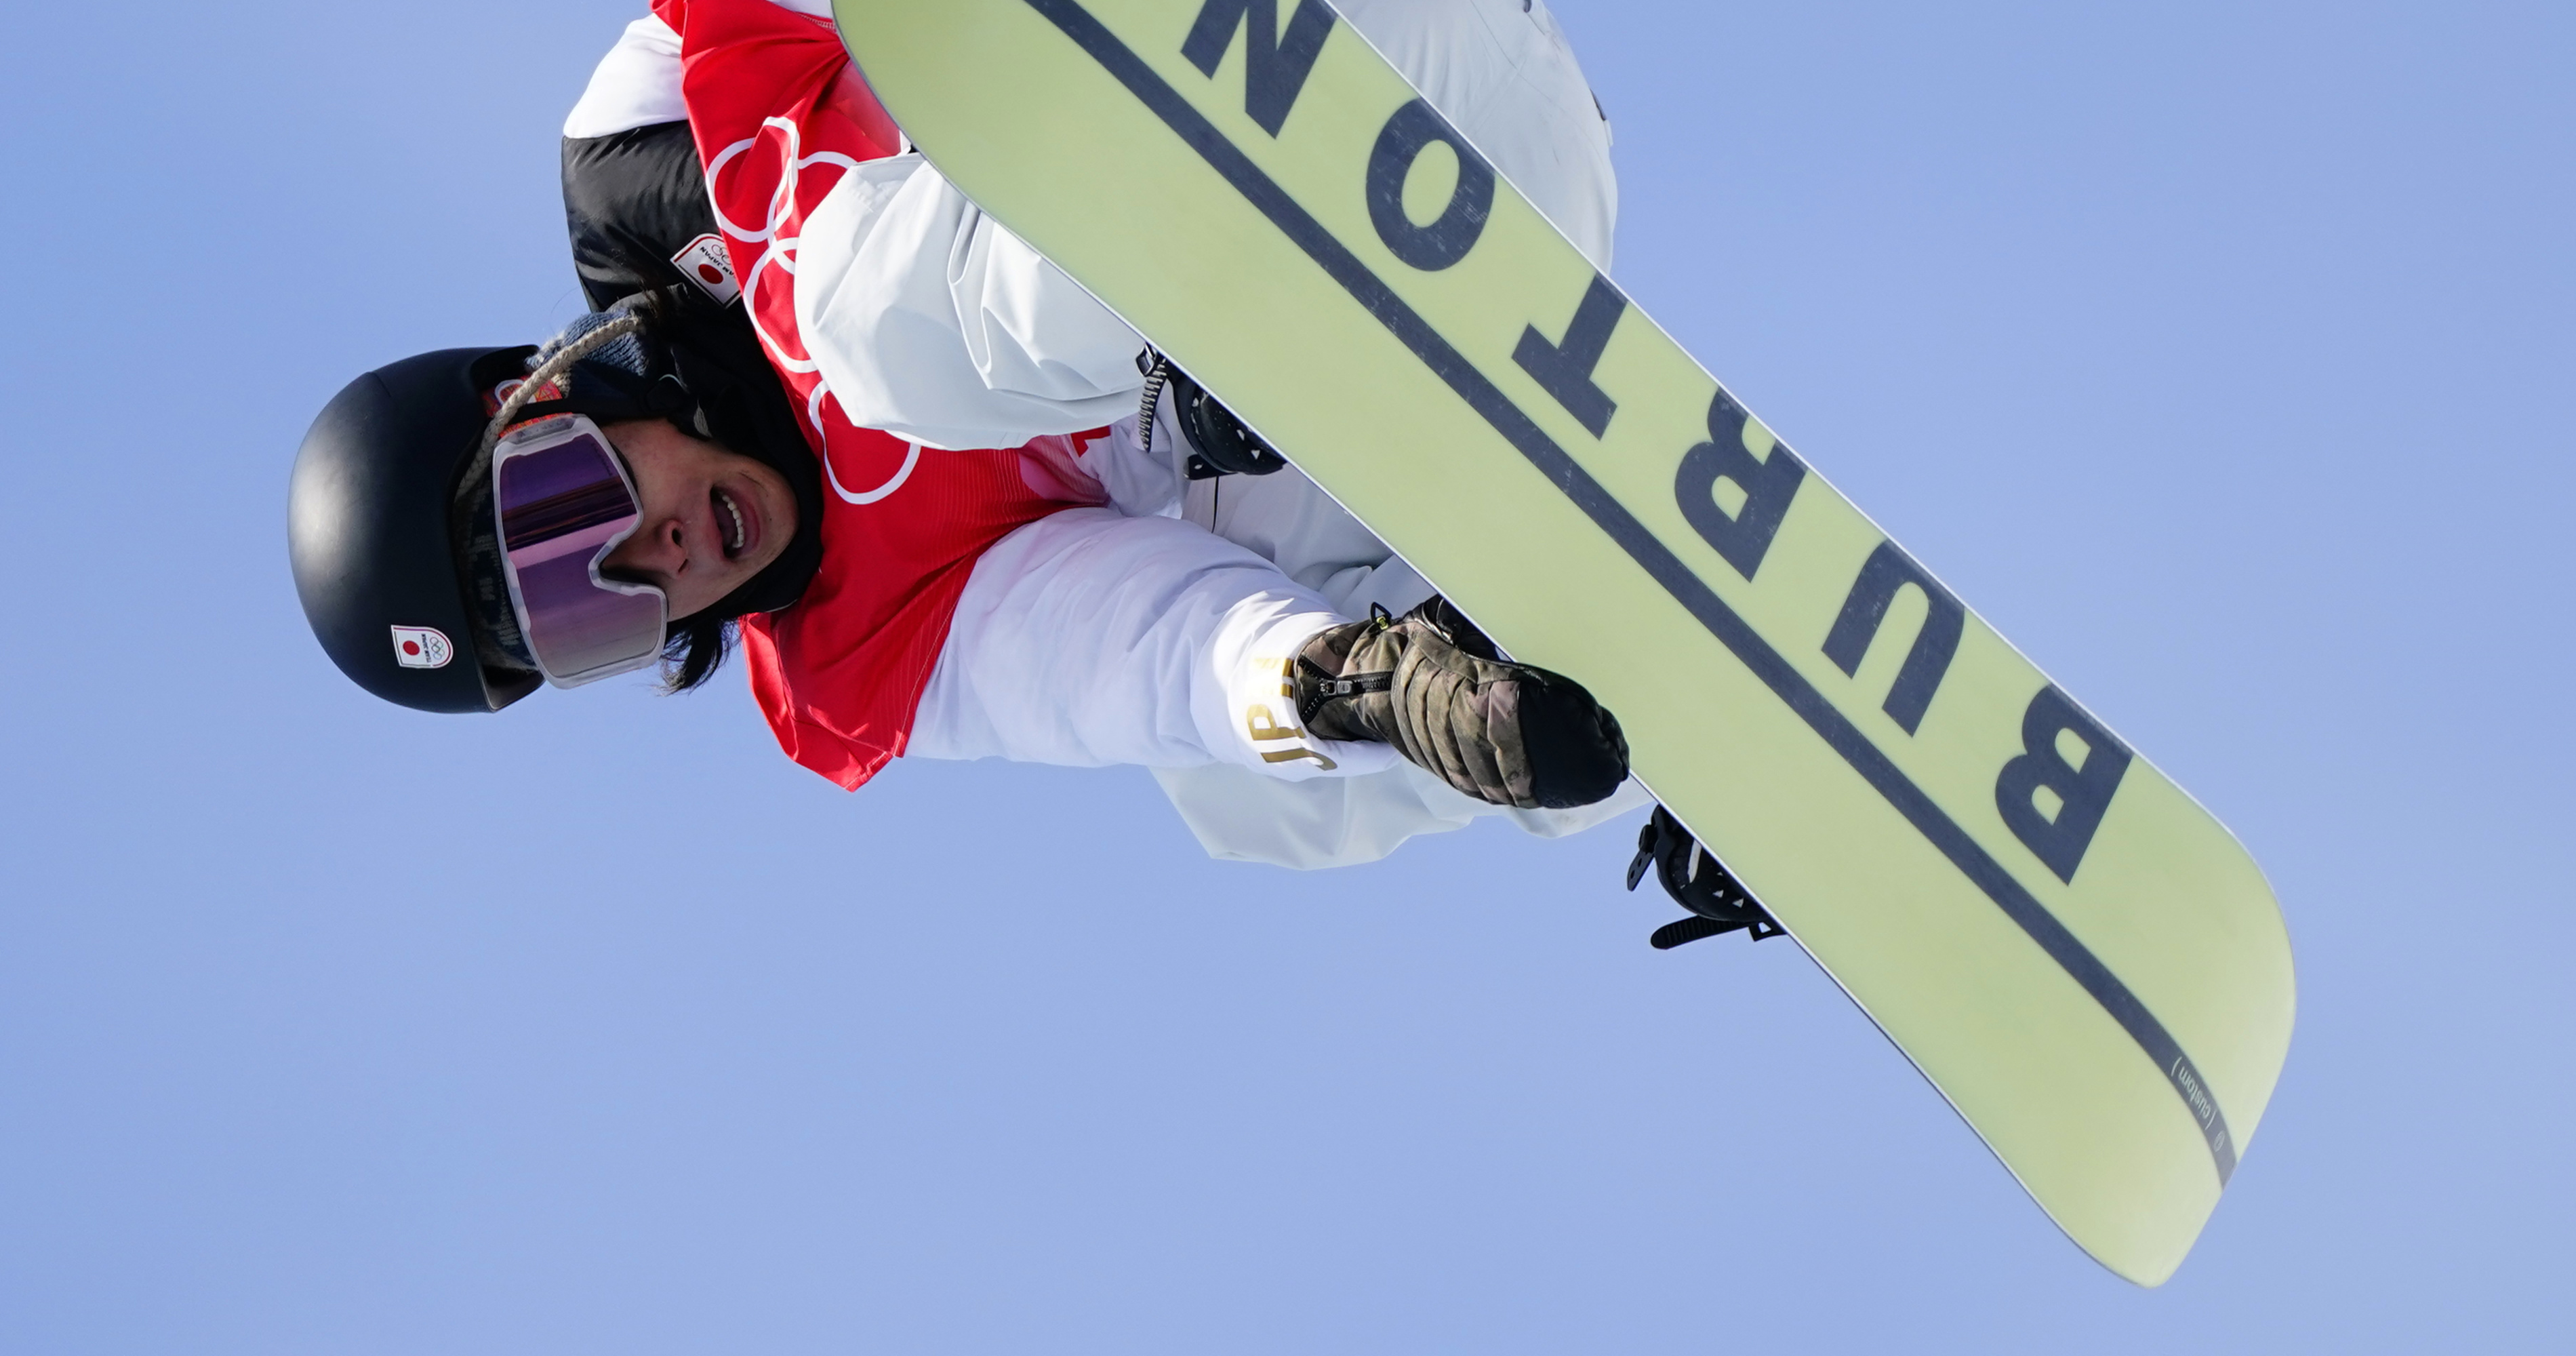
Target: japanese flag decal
703, 261
422, 647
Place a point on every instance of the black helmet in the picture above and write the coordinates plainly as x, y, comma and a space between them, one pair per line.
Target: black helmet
369, 528
393, 553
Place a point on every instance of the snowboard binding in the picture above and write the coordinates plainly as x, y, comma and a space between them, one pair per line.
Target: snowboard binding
1697, 881
1219, 443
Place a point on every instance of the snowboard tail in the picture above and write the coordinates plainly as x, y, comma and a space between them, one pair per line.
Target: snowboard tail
2076, 955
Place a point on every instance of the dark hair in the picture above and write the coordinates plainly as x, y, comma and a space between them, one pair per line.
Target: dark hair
695, 648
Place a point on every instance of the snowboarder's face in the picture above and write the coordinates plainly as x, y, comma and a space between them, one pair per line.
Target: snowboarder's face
712, 518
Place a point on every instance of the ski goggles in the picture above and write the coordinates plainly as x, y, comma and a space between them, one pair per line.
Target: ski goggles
564, 502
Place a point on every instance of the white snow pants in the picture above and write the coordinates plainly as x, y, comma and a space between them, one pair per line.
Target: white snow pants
1158, 631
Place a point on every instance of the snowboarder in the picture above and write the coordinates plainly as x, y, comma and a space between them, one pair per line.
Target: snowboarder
829, 408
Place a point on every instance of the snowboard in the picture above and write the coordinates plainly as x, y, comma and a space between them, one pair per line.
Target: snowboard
2076, 954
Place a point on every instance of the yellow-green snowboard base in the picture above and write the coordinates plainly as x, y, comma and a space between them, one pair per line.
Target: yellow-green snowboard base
2077, 955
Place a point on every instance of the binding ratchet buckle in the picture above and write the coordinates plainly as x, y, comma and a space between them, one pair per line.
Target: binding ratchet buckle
1697, 881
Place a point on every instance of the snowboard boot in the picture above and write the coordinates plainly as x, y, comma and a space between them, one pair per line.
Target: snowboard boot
1718, 903
1432, 685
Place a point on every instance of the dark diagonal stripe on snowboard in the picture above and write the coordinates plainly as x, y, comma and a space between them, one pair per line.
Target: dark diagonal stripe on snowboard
1658, 560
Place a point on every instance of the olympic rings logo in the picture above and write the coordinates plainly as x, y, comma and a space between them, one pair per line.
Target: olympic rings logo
782, 211
780, 214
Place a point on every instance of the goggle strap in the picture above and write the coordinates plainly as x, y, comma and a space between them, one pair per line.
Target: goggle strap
547, 374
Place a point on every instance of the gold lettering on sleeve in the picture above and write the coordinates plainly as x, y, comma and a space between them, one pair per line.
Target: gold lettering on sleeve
1265, 727
1257, 719
1292, 755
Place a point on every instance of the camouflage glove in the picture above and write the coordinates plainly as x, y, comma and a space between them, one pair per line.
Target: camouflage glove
1431, 684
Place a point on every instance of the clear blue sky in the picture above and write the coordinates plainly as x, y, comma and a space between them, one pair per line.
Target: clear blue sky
2219, 354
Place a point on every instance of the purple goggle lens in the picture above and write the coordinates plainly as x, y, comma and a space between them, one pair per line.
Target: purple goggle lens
564, 502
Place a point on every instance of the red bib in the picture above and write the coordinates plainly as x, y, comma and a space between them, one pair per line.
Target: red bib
779, 114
